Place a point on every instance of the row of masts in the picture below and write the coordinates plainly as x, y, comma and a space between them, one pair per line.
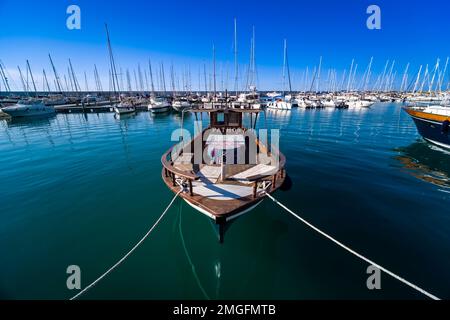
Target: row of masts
427, 79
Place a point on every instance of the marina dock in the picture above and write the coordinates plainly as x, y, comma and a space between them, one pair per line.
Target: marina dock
104, 106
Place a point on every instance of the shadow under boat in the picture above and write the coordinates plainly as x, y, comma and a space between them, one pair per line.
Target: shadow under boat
217, 187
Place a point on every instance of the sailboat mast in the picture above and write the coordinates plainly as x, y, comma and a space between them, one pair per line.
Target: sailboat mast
417, 79
25, 88
318, 75
434, 75
4, 77
151, 76
204, 75
283, 75
115, 80
86, 85
236, 68
163, 77
141, 80
58, 83
441, 79
350, 75
287, 65
366, 79
405, 78
45, 80
72, 73
31, 75
214, 69
172, 78
253, 60
97, 79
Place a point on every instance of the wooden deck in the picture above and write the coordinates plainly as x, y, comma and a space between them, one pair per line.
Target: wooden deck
226, 208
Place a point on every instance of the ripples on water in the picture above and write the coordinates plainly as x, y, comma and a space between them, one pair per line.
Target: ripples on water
82, 189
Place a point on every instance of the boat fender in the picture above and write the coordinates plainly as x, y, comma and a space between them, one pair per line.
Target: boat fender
445, 126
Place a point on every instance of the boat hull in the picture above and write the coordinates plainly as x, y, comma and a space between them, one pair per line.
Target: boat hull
432, 128
280, 105
180, 108
228, 218
157, 109
124, 110
21, 111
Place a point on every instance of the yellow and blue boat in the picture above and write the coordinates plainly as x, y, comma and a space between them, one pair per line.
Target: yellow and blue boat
433, 123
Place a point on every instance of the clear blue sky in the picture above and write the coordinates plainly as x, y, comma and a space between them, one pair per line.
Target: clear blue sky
182, 33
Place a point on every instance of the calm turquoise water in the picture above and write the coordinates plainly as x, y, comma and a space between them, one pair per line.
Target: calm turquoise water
82, 190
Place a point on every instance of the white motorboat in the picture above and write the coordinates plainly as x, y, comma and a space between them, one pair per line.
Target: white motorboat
180, 105
159, 105
329, 103
29, 108
299, 101
124, 108
360, 103
279, 103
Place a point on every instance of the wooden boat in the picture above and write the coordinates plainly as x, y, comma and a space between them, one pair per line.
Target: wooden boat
225, 170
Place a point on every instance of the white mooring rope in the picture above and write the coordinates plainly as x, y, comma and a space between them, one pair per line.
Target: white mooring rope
354, 252
129, 252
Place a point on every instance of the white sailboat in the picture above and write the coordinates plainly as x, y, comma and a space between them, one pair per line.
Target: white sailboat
283, 102
123, 107
31, 107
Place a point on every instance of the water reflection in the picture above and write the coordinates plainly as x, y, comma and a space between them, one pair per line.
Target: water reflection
427, 163
34, 121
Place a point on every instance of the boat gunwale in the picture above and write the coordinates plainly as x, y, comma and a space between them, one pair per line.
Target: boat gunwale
426, 115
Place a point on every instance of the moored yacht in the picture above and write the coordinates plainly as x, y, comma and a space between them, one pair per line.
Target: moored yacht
124, 107
29, 108
359, 103
433, 123
159, 105
279, 103
181, 104
328, 103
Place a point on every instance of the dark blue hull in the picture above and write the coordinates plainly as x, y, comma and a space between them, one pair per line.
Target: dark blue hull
433, 131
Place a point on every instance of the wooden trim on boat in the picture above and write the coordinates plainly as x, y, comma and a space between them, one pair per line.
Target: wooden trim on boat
170, 169
426, 115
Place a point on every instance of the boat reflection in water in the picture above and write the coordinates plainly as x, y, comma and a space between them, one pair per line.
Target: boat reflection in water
43, 120
427, 162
